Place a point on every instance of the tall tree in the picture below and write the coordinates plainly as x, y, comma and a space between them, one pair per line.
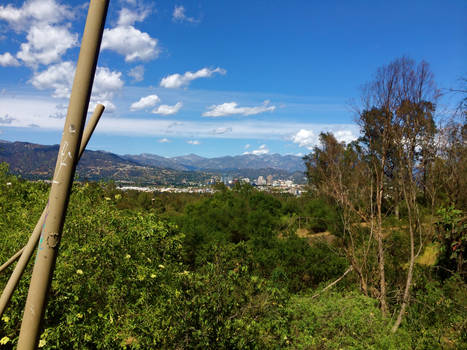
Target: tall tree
338, 173
398, 128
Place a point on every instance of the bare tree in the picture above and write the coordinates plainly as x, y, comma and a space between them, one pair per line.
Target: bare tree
339, 174
397, 126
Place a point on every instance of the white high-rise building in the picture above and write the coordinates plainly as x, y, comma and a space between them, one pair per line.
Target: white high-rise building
261, 181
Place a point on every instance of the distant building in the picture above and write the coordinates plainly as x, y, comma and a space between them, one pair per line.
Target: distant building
261, 181
269, 180
227, 179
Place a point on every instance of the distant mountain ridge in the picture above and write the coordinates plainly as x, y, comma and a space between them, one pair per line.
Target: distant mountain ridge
36, 161
288, 163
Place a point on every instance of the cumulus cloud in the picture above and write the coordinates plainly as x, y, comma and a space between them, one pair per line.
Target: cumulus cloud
193, 142
309, 138
7, 60
59, 78
106, 84
231, 108
260, 151
346, 136
145, 102
179, 15
167, 110
34, 11
164, 140
128, 17
46, 44
137, 73
128, 41
47, 40
306, 138
179, 80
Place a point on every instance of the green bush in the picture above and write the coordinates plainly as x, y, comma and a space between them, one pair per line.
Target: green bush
341, 321
120, 281
127, 277
323, 217
437, 316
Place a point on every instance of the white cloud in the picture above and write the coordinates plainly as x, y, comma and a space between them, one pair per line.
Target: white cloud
178, 80
23, 112
6, 119
47, 40
37, 110
179, 15
221, 130
145, 102
7, 60
128, 17
193, 142
247, 146
168, 110
59, 77
106, 84
131, 43
309, 138
346, 136
164, 140
231, 108
306, 138
261, 150
137, 73
108, 104
34, 11
46, 44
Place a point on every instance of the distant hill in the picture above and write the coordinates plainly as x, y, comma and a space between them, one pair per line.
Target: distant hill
35, 161
287, 163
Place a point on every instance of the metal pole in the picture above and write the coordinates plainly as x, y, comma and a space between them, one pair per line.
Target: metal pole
63, 176
12, 259
90, 126
29, 248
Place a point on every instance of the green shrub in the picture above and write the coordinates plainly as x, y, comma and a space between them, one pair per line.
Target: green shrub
437, 316
341, 321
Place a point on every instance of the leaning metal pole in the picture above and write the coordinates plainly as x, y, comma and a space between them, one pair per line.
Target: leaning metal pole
12, 259
30, 246
63, 176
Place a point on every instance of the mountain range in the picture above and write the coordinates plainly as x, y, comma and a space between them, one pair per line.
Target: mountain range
192, 162
36, 161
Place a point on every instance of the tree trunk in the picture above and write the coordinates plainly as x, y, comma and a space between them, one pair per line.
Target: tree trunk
408, 284
379, 238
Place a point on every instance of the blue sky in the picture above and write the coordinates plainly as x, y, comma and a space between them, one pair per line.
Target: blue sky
218, 77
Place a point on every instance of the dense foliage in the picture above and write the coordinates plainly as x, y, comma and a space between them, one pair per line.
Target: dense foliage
136, 277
